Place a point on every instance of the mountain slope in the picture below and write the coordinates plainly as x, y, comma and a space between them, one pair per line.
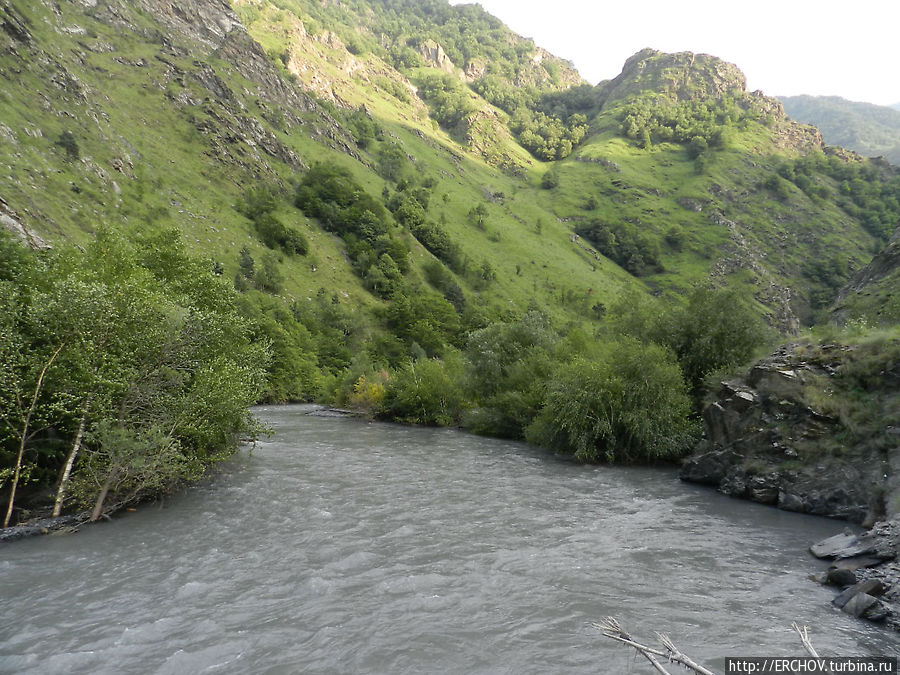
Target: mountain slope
509, 181
871, 130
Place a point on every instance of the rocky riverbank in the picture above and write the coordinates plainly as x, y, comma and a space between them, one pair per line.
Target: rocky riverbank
39, 526
866, 569
814, 428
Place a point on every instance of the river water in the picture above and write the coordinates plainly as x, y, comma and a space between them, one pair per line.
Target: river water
340, 546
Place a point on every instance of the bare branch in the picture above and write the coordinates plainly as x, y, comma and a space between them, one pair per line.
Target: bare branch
804, 638
611, 629
678, 656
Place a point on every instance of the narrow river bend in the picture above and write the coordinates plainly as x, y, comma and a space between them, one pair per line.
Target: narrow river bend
340, 546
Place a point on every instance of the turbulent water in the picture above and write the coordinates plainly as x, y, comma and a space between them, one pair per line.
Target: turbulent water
339, 546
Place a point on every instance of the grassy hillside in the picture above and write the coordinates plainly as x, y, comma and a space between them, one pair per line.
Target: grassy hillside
871, 130
174, 132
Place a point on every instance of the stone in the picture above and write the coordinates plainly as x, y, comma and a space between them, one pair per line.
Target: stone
870, 588
877, 612
857, 562
840, 577
858, 604
845, 545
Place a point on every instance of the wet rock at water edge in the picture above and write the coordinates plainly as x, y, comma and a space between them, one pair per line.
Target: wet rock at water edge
840, 577
844, 545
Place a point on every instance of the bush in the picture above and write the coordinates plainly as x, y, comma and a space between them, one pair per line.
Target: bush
550, 179
632, 249
68, 143
629, 405
426, 391
275, 234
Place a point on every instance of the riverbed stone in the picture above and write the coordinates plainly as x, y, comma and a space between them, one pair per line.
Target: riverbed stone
837, 576
858, 604
844, 545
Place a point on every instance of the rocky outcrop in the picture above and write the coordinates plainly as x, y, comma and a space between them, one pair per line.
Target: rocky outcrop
683, 75
765, 441
10, 220
435, 56
884, 264
865, 568
13, 25
872, 293
686, 76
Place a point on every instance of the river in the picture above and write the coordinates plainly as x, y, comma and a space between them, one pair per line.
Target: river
341, 546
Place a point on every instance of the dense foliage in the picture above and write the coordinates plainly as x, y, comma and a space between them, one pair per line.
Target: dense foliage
625, 243
332, 195
867, 190
127, 363
627, 404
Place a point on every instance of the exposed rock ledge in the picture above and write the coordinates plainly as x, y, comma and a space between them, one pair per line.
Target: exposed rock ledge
812, 428
765, 442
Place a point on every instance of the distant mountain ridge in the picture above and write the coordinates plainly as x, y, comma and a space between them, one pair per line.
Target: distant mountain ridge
869, 129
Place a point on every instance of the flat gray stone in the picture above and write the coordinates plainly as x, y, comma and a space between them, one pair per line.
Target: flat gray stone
845, 545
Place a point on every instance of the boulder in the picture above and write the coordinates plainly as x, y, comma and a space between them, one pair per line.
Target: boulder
845, 545
858, 604
838, 576
871, 587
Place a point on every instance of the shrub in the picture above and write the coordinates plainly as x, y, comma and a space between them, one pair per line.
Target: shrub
426, 391
68, 143
275, 234
629, 405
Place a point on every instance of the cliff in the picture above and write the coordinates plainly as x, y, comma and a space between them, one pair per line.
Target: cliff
812, 428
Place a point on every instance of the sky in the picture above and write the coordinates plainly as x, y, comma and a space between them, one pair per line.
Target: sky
784, 47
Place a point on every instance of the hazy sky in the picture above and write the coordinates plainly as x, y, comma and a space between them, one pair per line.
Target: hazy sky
845, 48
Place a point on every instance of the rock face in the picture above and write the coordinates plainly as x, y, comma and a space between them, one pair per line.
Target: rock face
765, 442
434, 54
683, 75
10, 220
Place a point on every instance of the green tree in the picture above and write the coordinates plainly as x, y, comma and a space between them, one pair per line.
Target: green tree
246, 263
152, 369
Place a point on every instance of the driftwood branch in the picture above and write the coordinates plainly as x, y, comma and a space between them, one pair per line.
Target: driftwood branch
804, 638
613, 630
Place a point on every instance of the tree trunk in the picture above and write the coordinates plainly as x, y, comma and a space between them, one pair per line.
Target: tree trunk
70, 461
98, 505
15, 480
25, 424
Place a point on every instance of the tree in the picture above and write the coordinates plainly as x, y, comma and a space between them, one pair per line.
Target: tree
21, 405
68, 143
718, 328
138, 352
246, 264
